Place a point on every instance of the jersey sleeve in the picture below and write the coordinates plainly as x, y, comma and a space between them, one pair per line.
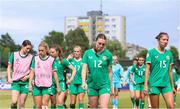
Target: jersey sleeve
148, 57
85, 58
11, 59
65, 63
110, 60
171, 58
54, 65
132, 70
32, 66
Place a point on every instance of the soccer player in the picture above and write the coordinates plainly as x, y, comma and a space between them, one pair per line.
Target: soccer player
75, 87
98, 61
131, 85
158, 74
41, 77
56, 52
18, 73
117, 78
138, 71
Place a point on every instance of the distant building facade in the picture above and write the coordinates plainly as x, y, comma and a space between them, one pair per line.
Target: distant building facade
114, 27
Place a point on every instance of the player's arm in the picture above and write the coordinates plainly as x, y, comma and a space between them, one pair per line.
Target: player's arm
83, 74
31, 74
110, 73
73, 73
146, 78
9, 68
171, 77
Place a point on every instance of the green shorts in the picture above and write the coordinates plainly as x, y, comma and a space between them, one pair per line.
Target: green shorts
97, 92
62, 86
20, 87
159, 89
76, 89
139, 86
39, 91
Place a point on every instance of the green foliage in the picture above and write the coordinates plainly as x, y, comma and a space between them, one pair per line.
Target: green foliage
175, 52
115, 47
54, 38
7, 45
142, 53
76, 37
7, 41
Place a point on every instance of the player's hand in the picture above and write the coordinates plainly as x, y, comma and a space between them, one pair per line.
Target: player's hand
70, 56
68, 81
146, 90
174, 91
58, 90
84, 86
30, 88
10, 80
24, 78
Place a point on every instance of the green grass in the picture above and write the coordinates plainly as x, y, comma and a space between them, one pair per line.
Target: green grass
124, 100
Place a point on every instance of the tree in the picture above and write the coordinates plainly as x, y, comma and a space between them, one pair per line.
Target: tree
115, 47
142, 53
76, 37
174, 52
54, 38
7, 41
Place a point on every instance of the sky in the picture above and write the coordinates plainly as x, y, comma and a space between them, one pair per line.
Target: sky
33, 19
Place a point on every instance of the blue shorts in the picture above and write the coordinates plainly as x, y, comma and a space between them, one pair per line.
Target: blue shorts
116, 85
131, 86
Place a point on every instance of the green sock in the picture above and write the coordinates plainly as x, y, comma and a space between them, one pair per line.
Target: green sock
133, 101
53, 107
13, 106
137, 102
142, 104
81, 105
60, 107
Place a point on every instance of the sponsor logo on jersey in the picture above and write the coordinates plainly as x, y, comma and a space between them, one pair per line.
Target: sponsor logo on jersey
104, 58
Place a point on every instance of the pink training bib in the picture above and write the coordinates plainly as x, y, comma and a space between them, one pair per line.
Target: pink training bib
21, 66
43, 71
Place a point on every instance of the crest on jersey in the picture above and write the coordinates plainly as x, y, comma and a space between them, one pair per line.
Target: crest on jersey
156, 57
90, 57
17, 60
167, 57
104, 58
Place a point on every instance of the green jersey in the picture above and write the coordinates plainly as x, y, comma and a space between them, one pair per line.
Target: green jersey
139, 72
78, 65
60, 68
160, 63
98, 67
175, 76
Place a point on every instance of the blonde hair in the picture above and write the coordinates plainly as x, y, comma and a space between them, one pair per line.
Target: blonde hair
77, 46
45, 45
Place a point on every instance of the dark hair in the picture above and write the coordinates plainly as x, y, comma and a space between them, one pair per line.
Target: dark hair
26, 42
101, 36
158, 37
59, 50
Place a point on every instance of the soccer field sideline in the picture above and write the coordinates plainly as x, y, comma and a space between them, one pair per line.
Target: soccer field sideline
124, 100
